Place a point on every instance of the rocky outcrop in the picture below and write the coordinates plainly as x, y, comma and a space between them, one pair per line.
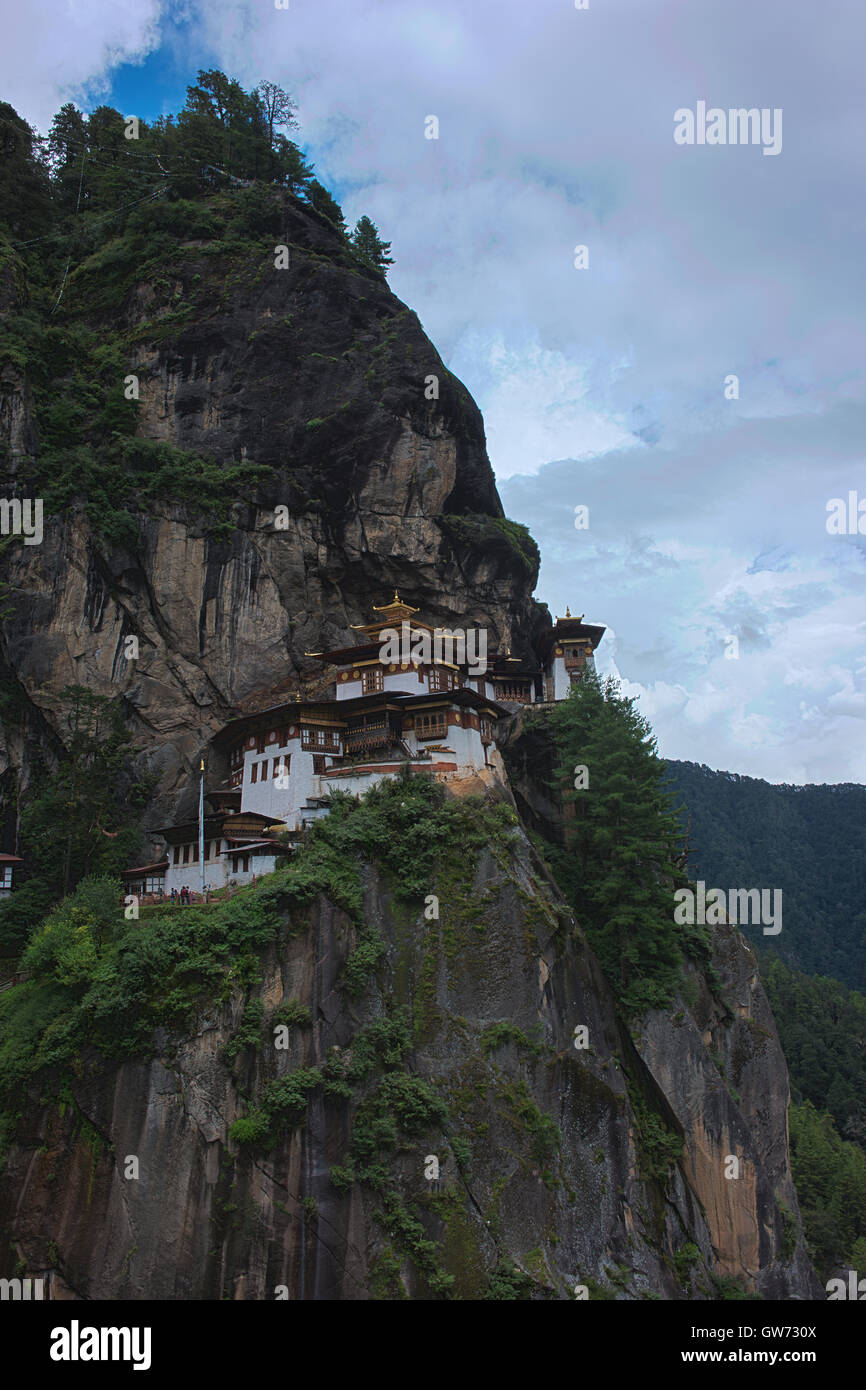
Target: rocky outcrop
318, 375
717, 1061
544, 1161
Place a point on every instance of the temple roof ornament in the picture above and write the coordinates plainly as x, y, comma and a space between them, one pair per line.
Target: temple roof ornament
393, 614
396, 602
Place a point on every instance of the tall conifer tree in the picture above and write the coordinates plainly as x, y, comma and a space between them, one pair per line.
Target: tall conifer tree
619, 859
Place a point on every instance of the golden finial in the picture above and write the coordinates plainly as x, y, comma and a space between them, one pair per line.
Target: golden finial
567, 611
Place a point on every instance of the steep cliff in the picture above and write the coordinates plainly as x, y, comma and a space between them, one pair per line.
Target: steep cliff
304, 388
427, 971
305, 1172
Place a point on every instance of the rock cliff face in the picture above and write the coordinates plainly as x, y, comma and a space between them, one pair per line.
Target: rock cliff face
318, 375
593, 1206
553, 1171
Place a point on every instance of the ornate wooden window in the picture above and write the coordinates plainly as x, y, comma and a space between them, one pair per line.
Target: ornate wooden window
320, 762
431, 725
440, 679
320, 740
575, 658
372, 680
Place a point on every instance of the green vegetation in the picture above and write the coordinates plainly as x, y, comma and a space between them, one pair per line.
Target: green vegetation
822, 1029
541, 1130
507, 1282
292, 1014
618, 864
249, 1034
495, 535
106, 984
282, 1106
93, 223
684, 1260
830, 1177
729, 1289
80, 816
368, 246
659, 1147
498, 1035
810, 842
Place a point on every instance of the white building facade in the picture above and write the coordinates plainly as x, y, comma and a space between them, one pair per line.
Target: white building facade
437, 716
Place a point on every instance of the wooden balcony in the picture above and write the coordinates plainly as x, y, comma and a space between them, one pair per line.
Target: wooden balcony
361, 740
431, 731
515, 694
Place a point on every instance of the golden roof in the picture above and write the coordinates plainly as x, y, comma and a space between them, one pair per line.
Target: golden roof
396, 602
393, 614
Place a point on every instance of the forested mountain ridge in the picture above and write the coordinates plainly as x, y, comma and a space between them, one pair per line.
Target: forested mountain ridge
808, 841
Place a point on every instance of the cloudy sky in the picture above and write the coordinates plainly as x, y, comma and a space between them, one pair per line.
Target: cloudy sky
602, 387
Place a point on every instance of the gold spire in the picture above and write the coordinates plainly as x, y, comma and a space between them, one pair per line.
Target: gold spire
396, 602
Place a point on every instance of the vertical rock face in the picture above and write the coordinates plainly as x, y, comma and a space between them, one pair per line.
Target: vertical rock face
546, 1165
724, 1075
717, 1062
319, 376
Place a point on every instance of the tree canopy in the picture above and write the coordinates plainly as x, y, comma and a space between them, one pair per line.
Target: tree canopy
368, 245
104, 162
619, 861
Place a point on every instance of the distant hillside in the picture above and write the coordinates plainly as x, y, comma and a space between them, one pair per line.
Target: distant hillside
808, 841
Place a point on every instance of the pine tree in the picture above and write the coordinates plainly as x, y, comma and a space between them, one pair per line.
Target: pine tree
368, 246
618, 864
288, 165
321, 200
25, 201
67, 149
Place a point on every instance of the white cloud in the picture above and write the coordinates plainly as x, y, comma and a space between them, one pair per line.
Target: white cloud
56, 52
707, 515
